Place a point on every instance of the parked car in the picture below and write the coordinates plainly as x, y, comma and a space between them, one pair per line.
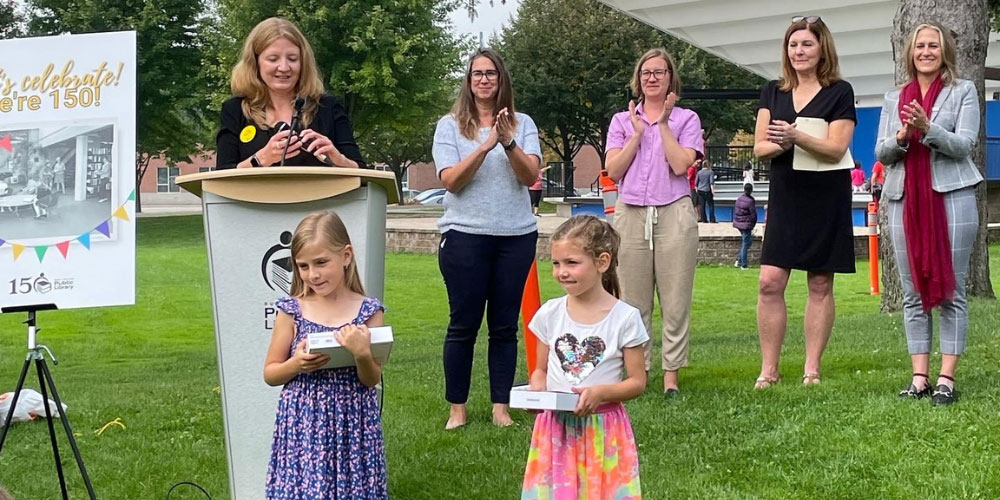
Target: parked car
408, 195
434, 196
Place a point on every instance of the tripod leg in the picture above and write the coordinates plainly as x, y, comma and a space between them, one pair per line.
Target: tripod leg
39, 364
13, 402
69, 431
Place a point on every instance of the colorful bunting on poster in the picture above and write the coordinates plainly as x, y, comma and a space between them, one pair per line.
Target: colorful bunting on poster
5, 143
84, 239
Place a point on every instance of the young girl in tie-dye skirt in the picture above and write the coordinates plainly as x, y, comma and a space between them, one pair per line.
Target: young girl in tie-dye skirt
585, 340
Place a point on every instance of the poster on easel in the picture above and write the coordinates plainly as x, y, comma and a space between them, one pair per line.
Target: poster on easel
67, 170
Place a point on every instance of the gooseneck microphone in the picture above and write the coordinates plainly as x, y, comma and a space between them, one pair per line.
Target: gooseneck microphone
298, 105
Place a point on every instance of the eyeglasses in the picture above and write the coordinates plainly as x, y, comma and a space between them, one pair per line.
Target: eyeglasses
657, 74
807, 19
490, 74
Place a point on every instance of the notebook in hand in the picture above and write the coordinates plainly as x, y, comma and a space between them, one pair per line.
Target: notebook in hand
804, 160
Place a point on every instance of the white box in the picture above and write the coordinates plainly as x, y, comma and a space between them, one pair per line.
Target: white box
521, 396
323, 342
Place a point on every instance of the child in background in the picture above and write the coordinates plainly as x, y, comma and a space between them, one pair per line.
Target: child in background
585, 340
744, 219
327, 434
858, 178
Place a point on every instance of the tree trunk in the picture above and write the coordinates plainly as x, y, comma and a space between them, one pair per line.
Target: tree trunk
969, 22
141, 164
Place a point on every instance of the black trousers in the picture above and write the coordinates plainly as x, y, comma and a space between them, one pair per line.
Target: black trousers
483, 273
706, 203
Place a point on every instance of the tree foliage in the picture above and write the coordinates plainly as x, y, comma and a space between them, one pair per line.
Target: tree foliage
11, 20
571, 63
392, 62
171, 100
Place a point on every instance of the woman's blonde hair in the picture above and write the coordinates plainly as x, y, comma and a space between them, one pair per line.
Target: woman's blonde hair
464, 109
596, 237
327, 229
246, 81
675, 79
948, 53
828, 69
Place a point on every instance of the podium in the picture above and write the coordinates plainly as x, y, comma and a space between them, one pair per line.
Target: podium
250, 215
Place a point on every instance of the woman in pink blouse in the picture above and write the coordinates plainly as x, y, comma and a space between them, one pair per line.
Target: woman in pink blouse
650, 147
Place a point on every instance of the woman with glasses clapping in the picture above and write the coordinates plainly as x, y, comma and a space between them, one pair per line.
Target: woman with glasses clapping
486, 155
809, 216
650, 148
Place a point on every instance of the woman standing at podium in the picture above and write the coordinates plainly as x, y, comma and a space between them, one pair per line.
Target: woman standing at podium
486, 156
276, 67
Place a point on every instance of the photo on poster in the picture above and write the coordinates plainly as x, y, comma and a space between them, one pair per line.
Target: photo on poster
56, 179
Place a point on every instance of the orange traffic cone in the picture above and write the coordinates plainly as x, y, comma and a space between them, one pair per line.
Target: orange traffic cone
531, 300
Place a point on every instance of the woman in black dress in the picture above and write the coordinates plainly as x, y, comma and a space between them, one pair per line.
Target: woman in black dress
276, 67
809, 213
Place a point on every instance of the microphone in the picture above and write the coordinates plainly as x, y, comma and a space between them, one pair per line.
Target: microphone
297, 104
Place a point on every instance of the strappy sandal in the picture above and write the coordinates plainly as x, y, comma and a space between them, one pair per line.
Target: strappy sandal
911, 392
765, 382
944, 395
810, 379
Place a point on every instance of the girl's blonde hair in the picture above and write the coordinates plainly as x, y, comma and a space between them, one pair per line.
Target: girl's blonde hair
246, 81
948, 53
675, 79
828, 69
464, 108
327, 229
596, 237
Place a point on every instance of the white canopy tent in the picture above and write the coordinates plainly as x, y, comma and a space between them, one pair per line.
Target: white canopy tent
749, 33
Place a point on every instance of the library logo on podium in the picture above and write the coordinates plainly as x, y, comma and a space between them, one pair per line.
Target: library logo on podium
276, 266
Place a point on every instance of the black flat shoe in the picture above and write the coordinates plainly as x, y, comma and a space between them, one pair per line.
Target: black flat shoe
912, 392
943, 396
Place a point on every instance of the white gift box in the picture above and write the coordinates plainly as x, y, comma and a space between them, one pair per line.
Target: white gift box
323, 342
521, 396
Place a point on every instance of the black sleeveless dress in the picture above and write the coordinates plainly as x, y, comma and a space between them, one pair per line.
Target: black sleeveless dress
809, 225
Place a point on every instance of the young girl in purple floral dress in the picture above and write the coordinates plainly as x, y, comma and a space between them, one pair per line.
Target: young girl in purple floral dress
327, 434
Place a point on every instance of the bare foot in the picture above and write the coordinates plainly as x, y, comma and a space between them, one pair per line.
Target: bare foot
501, 417
456, 418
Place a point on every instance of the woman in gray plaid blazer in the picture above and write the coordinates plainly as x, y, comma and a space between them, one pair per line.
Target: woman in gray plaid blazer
925, 143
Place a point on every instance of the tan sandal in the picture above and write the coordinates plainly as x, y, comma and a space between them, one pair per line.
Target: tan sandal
810, 379
765, 382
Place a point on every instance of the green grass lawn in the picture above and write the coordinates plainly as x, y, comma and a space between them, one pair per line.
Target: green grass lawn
153, 366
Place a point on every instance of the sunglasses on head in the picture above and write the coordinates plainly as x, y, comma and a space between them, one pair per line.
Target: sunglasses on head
807, 19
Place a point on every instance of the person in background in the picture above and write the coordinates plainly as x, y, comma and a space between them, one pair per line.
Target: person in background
748, 174
744, 219
878, 180
705, 184
857, 178
692, 175
927, 132
537, 189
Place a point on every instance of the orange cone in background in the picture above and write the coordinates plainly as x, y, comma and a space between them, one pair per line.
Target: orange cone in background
609, 192
530, 302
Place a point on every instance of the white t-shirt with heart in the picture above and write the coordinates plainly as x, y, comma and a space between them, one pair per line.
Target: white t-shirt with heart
583, 355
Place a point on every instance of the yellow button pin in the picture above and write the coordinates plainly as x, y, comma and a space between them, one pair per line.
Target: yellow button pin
248, 133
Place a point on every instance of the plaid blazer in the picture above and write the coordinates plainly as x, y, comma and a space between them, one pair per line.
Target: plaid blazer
954, 132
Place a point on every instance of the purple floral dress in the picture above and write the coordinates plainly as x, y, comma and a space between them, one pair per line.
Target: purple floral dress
327, 434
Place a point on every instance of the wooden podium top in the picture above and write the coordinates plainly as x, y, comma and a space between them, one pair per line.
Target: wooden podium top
287, 184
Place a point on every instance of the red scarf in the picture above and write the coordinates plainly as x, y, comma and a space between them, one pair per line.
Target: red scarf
925, 221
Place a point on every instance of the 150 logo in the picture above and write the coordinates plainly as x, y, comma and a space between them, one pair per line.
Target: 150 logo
39, 284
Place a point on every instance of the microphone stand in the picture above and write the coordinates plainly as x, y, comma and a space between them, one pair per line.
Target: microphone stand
298, 104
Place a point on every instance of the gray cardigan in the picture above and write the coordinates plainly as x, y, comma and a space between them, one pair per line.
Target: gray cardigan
953, 133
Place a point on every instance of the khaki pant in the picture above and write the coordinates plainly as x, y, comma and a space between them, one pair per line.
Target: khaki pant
659, 247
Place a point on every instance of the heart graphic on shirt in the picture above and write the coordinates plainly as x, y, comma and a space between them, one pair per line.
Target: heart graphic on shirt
578, 359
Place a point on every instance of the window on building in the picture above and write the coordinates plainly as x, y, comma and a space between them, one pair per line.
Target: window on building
165, 179
204, 169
